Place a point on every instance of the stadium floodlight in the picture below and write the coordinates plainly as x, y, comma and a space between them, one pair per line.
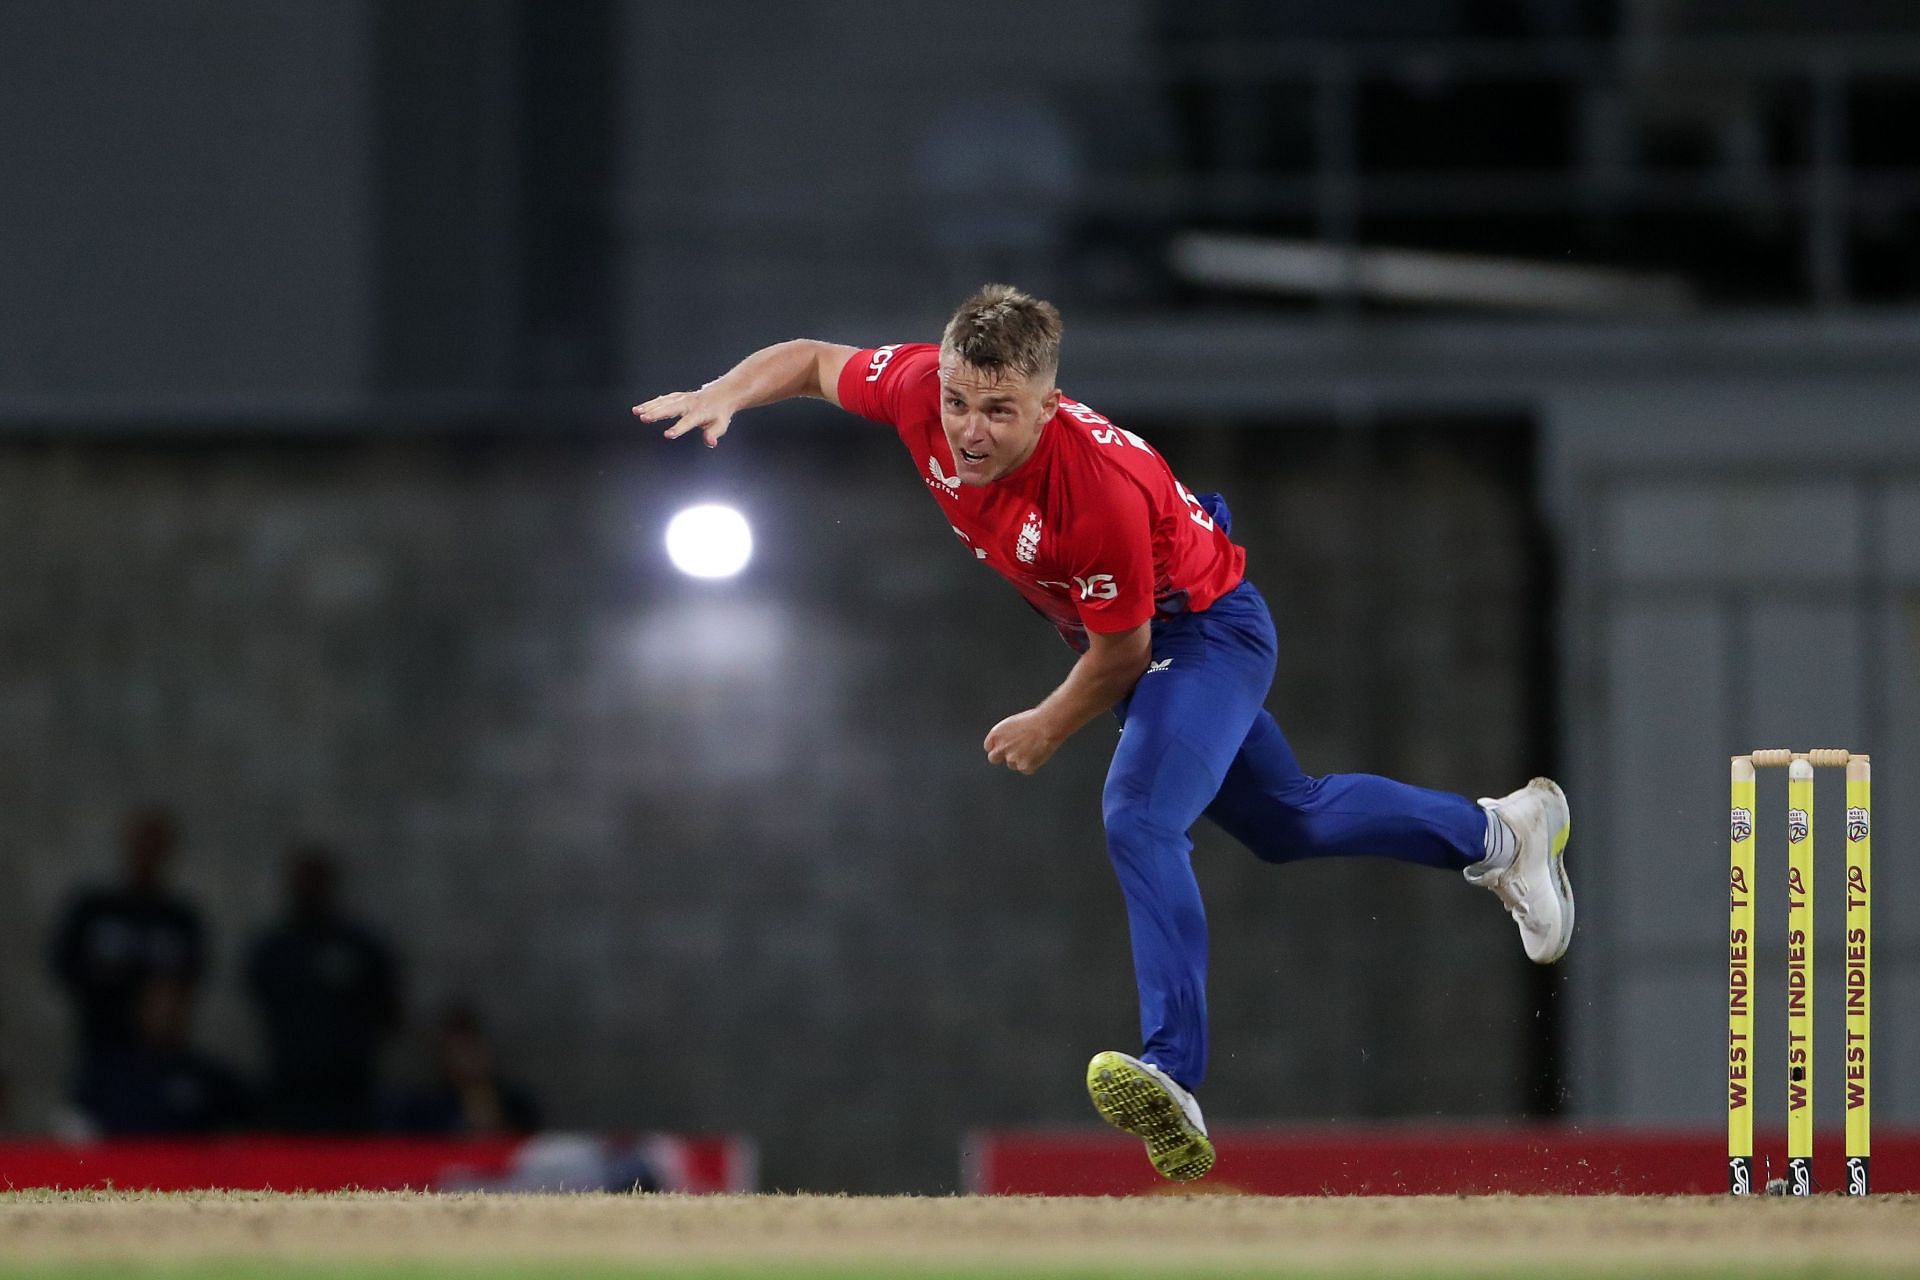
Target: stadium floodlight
709, 541
1270, 265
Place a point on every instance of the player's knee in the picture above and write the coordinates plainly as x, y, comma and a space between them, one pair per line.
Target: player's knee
1299, 794
1283, 823
1277, 835
1123, 808
1126, 780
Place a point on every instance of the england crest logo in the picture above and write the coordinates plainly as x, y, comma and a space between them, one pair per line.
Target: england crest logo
1028, 544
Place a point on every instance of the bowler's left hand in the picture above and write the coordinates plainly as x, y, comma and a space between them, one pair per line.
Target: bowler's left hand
1021, 742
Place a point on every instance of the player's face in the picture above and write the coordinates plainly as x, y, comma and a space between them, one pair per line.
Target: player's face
992, 417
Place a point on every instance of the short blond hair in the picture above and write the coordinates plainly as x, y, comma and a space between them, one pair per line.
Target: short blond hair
1002, 329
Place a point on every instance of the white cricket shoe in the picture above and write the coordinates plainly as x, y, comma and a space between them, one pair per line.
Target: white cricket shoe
1534, 887
1151, 1105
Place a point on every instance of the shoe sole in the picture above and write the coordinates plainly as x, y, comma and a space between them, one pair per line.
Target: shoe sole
1132, 1101
1562, 886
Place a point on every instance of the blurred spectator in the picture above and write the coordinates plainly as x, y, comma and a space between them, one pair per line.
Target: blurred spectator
114, 940
327, 993
158, 1083
467, 1096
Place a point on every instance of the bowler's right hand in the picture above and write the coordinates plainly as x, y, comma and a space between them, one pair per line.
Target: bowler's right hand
702, 411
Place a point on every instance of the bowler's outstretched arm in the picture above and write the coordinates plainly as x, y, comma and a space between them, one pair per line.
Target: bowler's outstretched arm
801, 367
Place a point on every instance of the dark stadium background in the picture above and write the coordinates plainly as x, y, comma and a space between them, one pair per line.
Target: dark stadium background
322, 517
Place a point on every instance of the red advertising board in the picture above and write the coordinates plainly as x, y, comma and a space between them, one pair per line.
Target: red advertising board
549, 1162
1388, 1160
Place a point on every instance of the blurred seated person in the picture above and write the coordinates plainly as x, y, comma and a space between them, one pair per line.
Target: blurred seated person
327, 993
113, 940
467, 1096
159, 1084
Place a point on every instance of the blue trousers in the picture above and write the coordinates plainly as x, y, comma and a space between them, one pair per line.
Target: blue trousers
1195, 739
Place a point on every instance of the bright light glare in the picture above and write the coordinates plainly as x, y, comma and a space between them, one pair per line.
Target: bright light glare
709, 541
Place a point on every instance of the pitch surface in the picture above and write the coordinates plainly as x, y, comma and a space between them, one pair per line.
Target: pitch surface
231, 1236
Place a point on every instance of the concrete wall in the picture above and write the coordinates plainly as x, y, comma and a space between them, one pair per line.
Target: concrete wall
727, 857
1742, 569
290, 209
187, 204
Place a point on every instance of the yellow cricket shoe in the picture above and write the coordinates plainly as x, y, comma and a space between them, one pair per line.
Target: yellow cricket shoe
1149, 1104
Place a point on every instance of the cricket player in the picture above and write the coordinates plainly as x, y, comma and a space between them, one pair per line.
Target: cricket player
1141, 577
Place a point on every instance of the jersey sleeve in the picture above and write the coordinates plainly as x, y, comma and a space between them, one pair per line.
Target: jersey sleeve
1109, 556
880, 383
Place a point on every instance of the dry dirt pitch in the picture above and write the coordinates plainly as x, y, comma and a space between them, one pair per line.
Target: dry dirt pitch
228, 1236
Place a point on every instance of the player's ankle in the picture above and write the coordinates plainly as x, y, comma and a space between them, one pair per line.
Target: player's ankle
1499, 845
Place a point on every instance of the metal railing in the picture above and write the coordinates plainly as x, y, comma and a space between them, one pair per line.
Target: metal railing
1784, 113
1616, 91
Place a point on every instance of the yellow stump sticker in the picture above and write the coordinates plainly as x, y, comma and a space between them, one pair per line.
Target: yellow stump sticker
1800, 978
1740, 985
1859, 1049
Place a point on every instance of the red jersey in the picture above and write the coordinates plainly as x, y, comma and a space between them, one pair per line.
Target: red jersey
1092, 528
